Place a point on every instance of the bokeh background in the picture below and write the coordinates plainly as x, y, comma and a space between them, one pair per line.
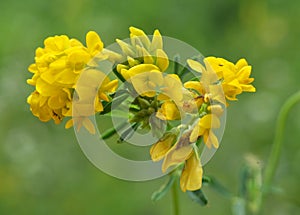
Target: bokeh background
42, 168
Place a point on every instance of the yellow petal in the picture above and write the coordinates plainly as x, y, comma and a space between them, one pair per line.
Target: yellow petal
157, 42
141, 68
173, 87
126, 48
159, 149
58, 101
194, 134
141, 35
179, 153
33, 68
121, 66
148, 59
168, 111
248, 88
110, 87
93, 43
215, 109
67, 77
78, 59
69, 124
195, 65
241, 63
132, 62
56, 43
209, 121
98, 105
195, 85
210, 139
111, 55
176, 156
146, 83
191, 176
162, 60
46, 89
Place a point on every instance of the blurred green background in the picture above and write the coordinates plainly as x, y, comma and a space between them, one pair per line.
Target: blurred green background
42, 168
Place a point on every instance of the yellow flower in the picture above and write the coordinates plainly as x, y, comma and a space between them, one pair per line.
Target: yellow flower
208, 87
235, 77
204, 128
191, 176
56, 71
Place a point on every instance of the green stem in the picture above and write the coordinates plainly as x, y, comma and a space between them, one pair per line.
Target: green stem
175, 198
278, 140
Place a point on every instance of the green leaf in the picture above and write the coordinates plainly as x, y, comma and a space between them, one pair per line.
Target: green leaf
163, 190
198, 196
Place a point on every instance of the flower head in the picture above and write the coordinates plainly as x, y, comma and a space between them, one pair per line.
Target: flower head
56, 71
235, 78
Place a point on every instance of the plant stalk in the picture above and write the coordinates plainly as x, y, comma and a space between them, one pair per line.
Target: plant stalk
278, 141
175, 198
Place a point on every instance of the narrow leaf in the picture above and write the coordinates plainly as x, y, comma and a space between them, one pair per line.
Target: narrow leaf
110, 132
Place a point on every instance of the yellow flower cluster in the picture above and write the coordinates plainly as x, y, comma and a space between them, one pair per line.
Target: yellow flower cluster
235, 78
220, 79
144, 66
56, 70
